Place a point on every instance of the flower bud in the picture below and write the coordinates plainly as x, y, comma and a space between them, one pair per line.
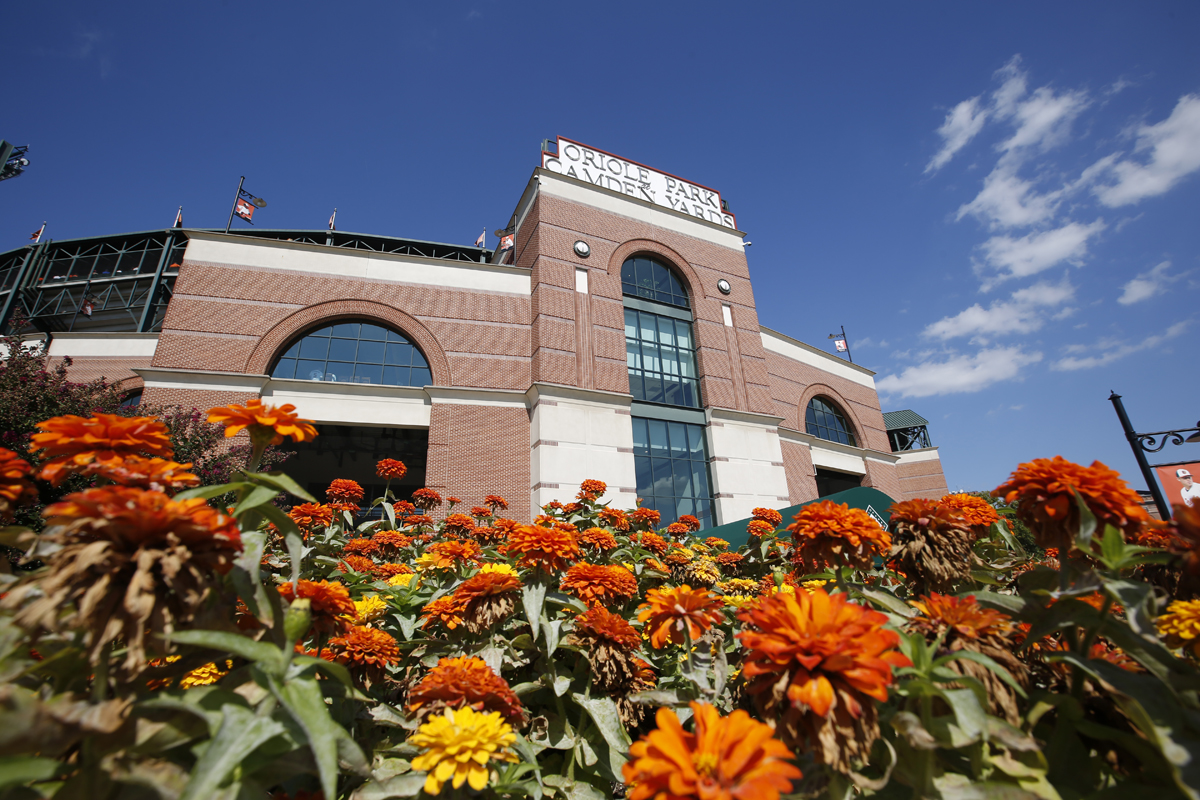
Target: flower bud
297, 619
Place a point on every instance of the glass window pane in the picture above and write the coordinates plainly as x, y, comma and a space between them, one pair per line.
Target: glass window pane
339, 371
637, 386
633, 355
372, 333
650, 360
286, 368
310, 370
347, 330
398, 355
662, 278
420, 377
627, 272
683, 478
666, 331
647, 331
664, 477
644, 475
672, 392
683, 334
653, 388
293, 351
641, 438
395, 376
658, 436
368, 373
315, 348
342, 349
631, 323
418, 360
370, 352
678, 438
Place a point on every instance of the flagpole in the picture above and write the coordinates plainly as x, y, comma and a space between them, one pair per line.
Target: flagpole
235, 202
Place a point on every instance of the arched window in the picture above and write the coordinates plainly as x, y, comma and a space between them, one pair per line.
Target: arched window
354, 352
644, 277
824, 420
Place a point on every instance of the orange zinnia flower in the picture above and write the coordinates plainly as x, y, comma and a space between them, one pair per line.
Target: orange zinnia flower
964, 615
417, 520
598, 538
677, 529
542, 548
813, 660
726, 758
480, 512
651, 541
391, 541
391, 570
717, 543
692, 523
426, 499
465, 681
615, 518
729, 561
158, 474
367, 652
344, 491
769, 516
458, 523
357, 564
829, 534
361, 547
978, 513
132, 562
332, 608
600, 623
15, 486
1044, 490
591, 489
445, 610
597, 583
494, 502
311, 515
70, 443
668, 612
759, 528
486, 598
391, 469
646, 516
448, 555
265, 423
609, 642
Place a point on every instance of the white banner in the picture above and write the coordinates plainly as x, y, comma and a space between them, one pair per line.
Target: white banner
630, 178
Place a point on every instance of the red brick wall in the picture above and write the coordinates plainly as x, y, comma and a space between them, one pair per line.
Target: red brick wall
801, 477
480, 450
114, 369
922, 479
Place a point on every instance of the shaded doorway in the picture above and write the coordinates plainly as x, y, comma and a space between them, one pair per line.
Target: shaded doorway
831, 481
351, 452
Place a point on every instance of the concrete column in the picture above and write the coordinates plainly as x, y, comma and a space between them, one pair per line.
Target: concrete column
746, 463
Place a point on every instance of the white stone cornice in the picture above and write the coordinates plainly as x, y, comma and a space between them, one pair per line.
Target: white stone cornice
201, 380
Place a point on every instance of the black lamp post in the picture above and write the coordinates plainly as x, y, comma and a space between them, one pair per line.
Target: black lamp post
1152, 442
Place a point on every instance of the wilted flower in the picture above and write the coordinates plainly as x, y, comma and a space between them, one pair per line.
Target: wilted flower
609, 642
265, 423
132, 562
343, 490
391, 469
669, 612
931, 545
598, 583
70, 443
726, 758
702, 572
814, 663
543, 548
978, 513
495, 502
457, 746
332, 609
366, 652
426, 499
465, 681
829, 534
1044, 490
486, 598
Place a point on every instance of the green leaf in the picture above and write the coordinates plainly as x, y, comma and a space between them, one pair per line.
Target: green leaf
331, 668
281, 482
1087, 524
1000, 528
247, 579
303, 700
407, 785
291, 535
603, 712
257, 496
270, 656
1138, 599
533, 597
209, 492
25, 769
979, 658
241, 732
887, 601
553, 630
967, 711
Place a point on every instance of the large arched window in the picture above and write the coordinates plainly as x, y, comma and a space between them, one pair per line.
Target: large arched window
354, 352
647, 278
824, 420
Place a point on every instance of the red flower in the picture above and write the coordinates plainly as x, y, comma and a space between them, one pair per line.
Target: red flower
391, 469
343, 490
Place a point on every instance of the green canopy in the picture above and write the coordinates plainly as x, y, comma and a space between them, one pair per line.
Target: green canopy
873, 501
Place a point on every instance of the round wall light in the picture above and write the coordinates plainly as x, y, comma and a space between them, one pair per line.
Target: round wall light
724, 287
582, 250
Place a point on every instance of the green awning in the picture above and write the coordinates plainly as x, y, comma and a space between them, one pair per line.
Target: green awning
873, 501
895, 420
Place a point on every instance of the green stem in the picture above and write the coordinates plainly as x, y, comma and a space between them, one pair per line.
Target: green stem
100, 679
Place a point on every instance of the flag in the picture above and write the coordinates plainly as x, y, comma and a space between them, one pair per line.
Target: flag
506, 242
841, 345
36, 236
332, 217
244, 210
86, 308
179, 218
480, 240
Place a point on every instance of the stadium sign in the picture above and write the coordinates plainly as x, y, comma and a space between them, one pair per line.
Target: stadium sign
635, 180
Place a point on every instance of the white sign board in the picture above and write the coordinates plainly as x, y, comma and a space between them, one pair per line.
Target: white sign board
630, 178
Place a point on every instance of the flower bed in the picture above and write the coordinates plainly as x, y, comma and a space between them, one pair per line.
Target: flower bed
170, 649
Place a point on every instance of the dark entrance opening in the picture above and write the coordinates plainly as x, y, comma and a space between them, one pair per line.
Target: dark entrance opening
351, 452
831, 482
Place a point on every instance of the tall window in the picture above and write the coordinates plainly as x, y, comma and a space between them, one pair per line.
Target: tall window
354, 352
669, 450
825, 421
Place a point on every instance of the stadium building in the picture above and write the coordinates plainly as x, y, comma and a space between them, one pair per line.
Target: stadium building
614, 337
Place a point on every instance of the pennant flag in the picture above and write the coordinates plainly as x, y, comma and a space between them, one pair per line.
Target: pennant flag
506, 242
179, 218
479, 241
332, 217
36, 236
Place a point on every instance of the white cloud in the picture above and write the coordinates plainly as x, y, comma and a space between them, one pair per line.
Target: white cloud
962, 123
1148, 284
1113, 350
1024, 312
1044, 120
1012, 88
1007, 201
1014, 257
1174, 153
958, 373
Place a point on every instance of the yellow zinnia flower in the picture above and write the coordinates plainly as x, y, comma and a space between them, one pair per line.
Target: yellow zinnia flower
400, 580
1180, 626
500, 569
458, 745
204, 676
371, 608
738, 600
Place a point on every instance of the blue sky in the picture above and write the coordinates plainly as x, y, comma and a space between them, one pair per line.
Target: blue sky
999, 203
